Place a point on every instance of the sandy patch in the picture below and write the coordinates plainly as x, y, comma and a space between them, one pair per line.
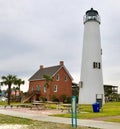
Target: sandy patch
5, 126
35, 111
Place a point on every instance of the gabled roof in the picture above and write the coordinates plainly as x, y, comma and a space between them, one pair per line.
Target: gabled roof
51, 71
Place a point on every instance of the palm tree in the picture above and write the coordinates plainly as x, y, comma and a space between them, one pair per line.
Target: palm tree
19, 82
48, 80
8, 80
15, 89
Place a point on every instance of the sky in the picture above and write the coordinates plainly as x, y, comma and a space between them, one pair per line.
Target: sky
44, 32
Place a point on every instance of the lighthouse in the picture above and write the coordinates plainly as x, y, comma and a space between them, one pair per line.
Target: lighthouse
91, 79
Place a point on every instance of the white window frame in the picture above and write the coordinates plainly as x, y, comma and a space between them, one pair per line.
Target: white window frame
45, 89
55, 88
57, 77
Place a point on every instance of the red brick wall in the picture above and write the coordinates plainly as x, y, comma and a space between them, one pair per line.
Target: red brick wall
63, 87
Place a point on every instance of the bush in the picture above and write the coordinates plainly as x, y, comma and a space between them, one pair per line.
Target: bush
66, 99
63, 98
54, 98
42, 98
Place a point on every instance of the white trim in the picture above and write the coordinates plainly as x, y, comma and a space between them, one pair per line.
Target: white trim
45, 89
55, 88
57, 77
65, 70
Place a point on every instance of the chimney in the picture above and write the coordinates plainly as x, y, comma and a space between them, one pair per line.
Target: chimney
41, 66
61, 63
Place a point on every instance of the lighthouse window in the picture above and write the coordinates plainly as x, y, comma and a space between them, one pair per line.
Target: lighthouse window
101, 51
99, 65
96, 65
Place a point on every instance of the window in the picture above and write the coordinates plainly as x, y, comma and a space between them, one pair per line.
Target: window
96, 65
45, 89
32, 88
101, 51
39, 87
81, 84
99, 65
55, 88
57, 77
65, 78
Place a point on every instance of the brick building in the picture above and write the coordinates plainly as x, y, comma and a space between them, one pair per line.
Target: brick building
60, 86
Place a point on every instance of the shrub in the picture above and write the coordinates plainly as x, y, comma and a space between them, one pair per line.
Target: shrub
63, 98
42, 98
54, 98
66, 99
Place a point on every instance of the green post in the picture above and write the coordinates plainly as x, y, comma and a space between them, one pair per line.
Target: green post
74, 112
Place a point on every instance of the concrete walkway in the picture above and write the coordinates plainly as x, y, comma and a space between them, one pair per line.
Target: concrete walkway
45, 117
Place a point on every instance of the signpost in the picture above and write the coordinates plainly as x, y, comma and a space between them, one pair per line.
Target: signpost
74, 112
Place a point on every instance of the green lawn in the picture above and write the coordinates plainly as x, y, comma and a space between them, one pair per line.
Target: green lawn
32, 124
5, 119
86, 112
110, 110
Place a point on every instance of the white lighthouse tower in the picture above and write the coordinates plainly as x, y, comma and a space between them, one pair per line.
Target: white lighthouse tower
91, 81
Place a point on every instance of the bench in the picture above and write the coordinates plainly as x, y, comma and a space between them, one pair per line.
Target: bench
38, 104
66, 107
18, 105
50, 103
8, 106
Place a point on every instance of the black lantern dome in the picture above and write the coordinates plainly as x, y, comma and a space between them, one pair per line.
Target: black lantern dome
92, 15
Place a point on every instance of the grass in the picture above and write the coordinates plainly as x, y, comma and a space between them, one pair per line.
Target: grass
32, 124
86, 112
13, 120
113, 120
110, 110
3, 103
47, 105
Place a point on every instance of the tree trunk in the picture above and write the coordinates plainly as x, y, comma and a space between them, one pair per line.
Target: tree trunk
15, 94
19, 93
48, 97
9, 94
